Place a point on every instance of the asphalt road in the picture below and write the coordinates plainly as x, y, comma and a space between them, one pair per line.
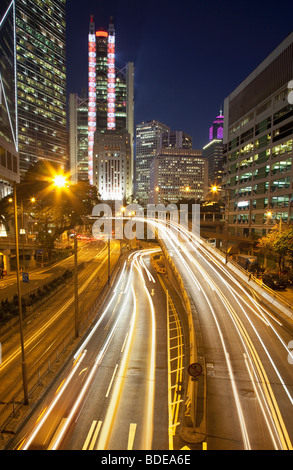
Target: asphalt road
113, 394
53, 320
246, 355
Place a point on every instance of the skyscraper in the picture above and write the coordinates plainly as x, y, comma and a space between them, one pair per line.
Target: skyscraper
213, 151
258, 146
78, 137
111, 94
9, 161
177, 173
41, 74
148, 135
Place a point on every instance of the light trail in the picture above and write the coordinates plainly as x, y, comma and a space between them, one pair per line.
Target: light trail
42, 329
120, 376
270, 402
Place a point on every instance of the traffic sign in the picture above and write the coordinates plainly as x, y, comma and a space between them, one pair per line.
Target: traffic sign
195, 369
25, 277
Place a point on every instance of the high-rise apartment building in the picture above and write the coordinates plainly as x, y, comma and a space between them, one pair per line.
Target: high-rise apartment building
41, 75
9, 159
213, 152
258, 146
176, 174
148, 135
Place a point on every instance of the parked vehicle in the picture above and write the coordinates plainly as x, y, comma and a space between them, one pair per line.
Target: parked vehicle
275, 281
245, 261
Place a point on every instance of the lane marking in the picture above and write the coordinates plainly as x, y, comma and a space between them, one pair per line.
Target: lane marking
132, 431
111, 382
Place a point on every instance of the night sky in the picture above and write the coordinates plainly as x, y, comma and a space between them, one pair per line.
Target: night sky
188, 55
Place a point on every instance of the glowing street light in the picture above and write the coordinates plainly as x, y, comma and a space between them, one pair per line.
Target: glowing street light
60, 181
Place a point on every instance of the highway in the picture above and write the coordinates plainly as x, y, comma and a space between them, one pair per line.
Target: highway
113, 394
249, 380
50, 323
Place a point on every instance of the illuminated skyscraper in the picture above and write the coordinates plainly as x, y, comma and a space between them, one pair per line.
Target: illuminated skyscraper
148, 138
213, 152
258, 147
41, 74
9, 163
111, 95
78, 137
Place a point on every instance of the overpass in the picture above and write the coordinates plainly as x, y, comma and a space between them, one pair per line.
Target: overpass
27, 252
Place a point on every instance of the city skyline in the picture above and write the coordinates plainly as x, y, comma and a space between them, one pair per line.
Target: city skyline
176, 82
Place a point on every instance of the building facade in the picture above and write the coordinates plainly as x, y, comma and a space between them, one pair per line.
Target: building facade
111, 92
213, 152
9, 158
78, 137
41, 75
177, 174
112, 165
176, 139
148, 138
258, 146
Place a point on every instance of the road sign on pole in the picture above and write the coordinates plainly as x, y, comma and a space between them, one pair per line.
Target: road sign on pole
25, 277
195, 369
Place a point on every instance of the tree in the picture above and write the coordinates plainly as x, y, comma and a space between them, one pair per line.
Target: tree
278, 243
53, 210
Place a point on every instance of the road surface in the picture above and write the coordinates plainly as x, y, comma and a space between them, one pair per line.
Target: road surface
246, 355
113, 394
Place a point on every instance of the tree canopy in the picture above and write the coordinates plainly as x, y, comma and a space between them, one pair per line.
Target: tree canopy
53, 209
278, 244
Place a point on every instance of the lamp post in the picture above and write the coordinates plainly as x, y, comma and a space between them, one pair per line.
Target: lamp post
24, 368
60, 182
76, 287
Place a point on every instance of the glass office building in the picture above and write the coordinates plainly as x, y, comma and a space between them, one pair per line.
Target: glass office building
258, 147
148, 140
41, 75
9, 162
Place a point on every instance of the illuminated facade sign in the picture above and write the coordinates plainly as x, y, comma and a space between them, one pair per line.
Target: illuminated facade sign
92, 99
111, 89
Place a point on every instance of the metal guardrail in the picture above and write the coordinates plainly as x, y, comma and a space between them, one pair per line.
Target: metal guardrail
250, 276
266, 288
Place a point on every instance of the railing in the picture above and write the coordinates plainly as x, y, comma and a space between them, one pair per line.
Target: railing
12, 401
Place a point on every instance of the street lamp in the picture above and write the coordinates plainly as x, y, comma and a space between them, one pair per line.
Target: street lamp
60, 181
215, 189
24, 369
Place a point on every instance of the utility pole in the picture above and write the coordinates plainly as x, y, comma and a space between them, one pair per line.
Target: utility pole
109, 259
76, 287
24, 369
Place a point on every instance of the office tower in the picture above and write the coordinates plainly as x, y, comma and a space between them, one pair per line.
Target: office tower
213, 152
258, 146
111, 90
78, 137
112, 165
177, 174
41, 74
148, 136
176, 139
9, 160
